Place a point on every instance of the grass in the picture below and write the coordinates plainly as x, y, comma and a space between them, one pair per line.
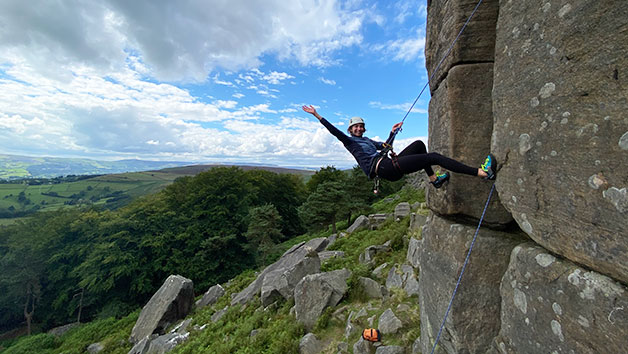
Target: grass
112, 333
276, 330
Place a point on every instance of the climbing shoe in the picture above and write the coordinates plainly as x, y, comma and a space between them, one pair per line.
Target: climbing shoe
440, 180
490, 167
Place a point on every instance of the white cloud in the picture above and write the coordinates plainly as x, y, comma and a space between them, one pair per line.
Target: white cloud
327, 81
183, 40
397, 107
404, 49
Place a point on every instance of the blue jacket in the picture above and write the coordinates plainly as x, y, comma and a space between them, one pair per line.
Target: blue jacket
363, 149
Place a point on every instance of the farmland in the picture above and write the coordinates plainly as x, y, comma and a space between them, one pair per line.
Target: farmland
18, 200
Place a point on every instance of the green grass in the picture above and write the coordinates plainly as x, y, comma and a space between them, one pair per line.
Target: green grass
113, 334
277, 330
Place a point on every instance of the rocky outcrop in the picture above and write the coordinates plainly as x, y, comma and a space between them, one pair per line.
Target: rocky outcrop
172, 302
316, 292
543, 87
445, 245
460, 127
288, 261
553, 304
281, 281
563, 139
389, 323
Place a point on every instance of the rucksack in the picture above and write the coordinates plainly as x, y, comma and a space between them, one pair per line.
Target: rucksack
371, 335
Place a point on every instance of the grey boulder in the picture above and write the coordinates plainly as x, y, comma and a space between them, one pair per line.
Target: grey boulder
172, 302
315, 292
211, 296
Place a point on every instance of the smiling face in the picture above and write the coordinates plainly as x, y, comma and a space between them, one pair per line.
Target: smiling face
357, 129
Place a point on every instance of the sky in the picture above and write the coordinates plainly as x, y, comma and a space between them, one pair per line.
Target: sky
211, 81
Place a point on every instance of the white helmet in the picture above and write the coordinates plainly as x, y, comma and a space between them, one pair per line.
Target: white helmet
355, 120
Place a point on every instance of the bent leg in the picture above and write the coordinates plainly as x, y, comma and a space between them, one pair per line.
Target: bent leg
417, 148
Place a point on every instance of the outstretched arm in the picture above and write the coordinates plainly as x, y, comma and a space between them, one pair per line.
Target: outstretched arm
333, 130
311, 110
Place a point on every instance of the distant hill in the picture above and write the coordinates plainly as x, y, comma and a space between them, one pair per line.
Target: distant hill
18, 167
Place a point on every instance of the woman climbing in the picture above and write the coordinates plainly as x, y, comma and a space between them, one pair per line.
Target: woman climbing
412, 159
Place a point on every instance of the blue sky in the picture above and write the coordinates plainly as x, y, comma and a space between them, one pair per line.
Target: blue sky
207, 81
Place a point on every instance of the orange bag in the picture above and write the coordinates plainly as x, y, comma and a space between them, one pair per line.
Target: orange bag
371, 335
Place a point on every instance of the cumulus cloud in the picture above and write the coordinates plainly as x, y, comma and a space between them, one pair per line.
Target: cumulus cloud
175, 41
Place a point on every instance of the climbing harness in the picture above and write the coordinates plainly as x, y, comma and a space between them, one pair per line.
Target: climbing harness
464, 266
386, 152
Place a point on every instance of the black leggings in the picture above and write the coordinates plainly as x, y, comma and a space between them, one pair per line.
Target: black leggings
415, 158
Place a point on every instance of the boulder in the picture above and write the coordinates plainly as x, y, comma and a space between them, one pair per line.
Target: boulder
394, 279
361, 223
219, 314
95, 348
61, 330
211, 296
562, 131
391, 349
401, 210
379, 271
325, 255
315, 292
172, 302
377, 219
363, 347
288, 260
141, 347
460, 127
389, 323
281, 281
166, 343
330, 240
309, 344
413, 252
445, 246
560, 307
444, 21
369, 253
372, 289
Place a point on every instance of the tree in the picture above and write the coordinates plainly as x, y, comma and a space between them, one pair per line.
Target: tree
360, 194
323, 205
264, 231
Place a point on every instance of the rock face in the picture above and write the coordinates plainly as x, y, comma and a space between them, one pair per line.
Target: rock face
172, 302
289, 260
315, 292
568, 125
444, 21
460, 127
542, 86
445, 246
577, 311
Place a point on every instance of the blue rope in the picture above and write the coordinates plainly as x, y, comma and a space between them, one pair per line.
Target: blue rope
464, 266
451, 47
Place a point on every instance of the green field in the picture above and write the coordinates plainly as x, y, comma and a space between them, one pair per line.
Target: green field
110, 191
18, 200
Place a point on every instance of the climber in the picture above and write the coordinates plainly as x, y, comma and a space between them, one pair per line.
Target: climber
412, 159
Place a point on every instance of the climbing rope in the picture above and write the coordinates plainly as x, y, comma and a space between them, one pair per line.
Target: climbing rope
464, 266
437, 67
